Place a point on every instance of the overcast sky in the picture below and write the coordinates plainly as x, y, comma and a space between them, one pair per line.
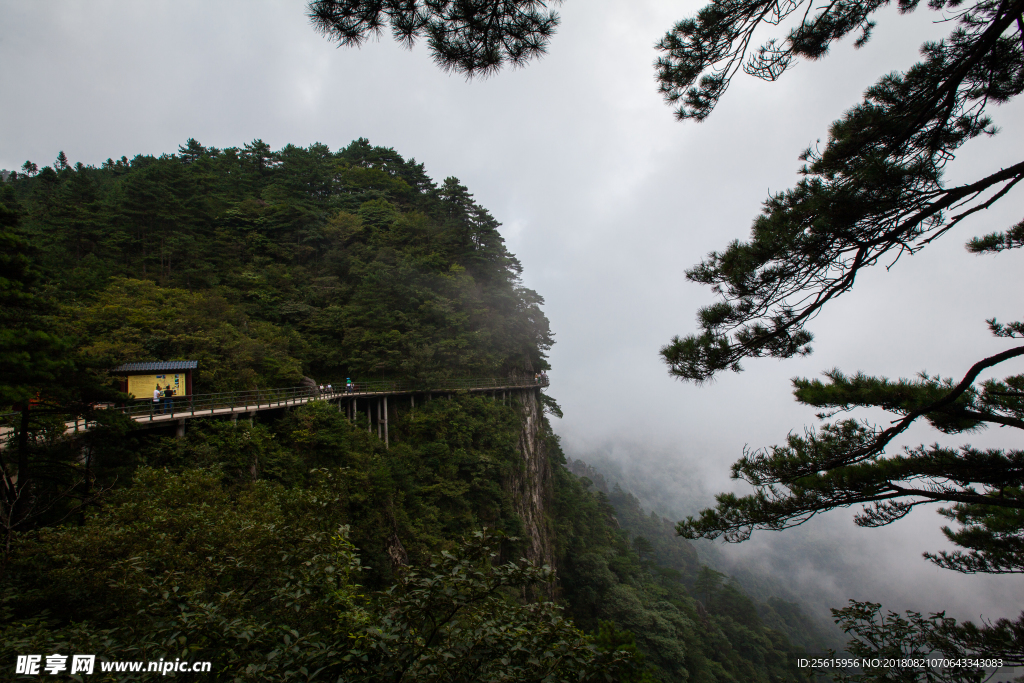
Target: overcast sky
604, 197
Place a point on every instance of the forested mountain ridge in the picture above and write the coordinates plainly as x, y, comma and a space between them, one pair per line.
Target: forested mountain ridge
277, 263
301, 547
654, 538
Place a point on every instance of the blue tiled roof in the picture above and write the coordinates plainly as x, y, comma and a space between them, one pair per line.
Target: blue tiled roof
157, 366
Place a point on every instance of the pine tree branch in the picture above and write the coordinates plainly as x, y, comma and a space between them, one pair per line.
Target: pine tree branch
887, 435
841, 467
972, 375
991, 417
757, 318
957, 497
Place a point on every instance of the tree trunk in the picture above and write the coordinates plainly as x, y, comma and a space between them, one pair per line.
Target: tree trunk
22, 490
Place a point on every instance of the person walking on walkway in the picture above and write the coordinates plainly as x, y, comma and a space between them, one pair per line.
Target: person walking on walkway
168, 400
156, 399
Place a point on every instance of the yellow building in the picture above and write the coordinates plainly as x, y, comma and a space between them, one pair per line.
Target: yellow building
142, 379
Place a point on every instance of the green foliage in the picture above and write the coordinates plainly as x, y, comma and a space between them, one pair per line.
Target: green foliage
874, 192
610, 639
991, 534
551, 406
998, 241
668, 552
40, 371
476, 38
708, 582
32, 356
265, 265
63, 475
968, 408
458, 620
445, 474
240, 452
604, 579
893, 637
845, 463
673, 561
261, 581
134, 320
176, 566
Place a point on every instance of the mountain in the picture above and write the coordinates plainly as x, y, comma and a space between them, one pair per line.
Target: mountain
300, 546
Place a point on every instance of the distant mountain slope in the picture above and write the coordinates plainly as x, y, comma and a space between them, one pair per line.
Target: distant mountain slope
778, 608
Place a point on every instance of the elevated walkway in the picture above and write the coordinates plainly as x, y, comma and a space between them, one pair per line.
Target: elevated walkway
179, 409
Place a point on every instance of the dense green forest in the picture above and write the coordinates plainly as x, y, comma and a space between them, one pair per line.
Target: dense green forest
264, 265
654, 539
300, 546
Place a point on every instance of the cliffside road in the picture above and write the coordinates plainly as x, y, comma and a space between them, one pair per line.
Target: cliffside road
180, 409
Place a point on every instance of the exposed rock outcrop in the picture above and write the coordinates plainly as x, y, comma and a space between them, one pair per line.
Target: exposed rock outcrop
531, 487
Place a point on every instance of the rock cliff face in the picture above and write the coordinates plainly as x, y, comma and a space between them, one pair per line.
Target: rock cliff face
532, 487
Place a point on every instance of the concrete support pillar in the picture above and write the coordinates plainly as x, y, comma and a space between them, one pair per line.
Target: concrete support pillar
252, 417
234, 419
180, 432
413, 399
385, 421
369, 420
380, 434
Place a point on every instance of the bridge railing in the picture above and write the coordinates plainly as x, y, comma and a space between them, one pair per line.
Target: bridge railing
9, 421
205, 403
238, 401
392, 386
262, 398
